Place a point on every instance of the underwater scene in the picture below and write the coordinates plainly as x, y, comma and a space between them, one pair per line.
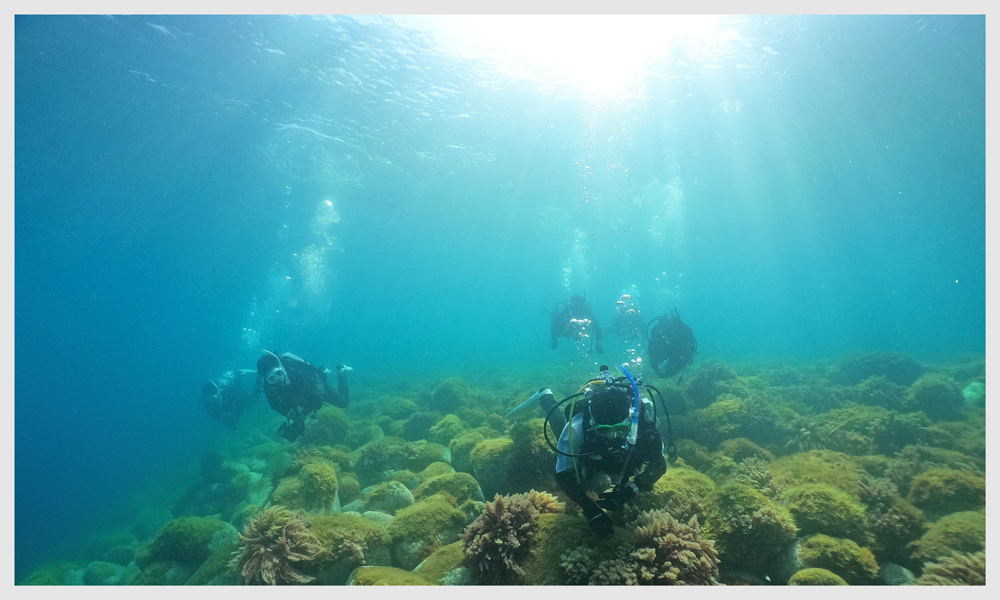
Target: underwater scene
499, 300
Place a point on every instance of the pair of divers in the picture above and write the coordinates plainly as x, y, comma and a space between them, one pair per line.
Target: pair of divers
295, 388
671, 343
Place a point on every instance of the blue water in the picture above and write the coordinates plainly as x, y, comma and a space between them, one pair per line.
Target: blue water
189, 190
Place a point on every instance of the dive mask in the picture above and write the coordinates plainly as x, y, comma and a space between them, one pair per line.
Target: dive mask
613, 431
275, 376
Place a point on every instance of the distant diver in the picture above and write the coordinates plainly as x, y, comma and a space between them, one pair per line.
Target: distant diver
576, 320
672, 345
608, 428
296, 389
226, 397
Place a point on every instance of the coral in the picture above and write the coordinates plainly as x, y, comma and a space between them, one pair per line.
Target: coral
816, 576
960, 532
348, 541
460, 485
822, 508
446, 429
185, 539
748, 528
892, 521
844, 557
942, 491
578, 565
754, 472
384, 576
273, 545
450, 394
422, 528
489, 464
961, 568
937, 395
877, 390
672, 553
461, 450
895, 367
892, 432
498, 540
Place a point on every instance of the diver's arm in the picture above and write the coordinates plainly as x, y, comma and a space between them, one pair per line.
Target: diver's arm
652, 457
568, 483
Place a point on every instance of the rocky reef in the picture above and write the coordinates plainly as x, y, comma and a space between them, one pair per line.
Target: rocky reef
870, 470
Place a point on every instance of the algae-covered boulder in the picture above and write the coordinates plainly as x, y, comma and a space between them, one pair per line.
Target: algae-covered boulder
489, 465
681, 491
958, 532
938, 396
461, 450
185, 540
461, 486
385, 576
554, 535
943, 491
419, 530
816, 576
818, 466
433, 470
424, 453
822, 508
749, 528
855, 564
349, 541
102, 573
442, 562
388, 497
314, 489
895, 367
446, 429
451, 394
53, 573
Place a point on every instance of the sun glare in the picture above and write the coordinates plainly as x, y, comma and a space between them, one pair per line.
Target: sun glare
598, 55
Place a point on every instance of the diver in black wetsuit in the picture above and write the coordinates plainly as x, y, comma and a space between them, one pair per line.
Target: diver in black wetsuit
672, 345
574, 321
603, 437
296, 389
226, 397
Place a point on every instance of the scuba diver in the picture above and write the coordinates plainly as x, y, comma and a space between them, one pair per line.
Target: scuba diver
574, 321
611, 430
225, 398
671, 344
627, 322
296, 389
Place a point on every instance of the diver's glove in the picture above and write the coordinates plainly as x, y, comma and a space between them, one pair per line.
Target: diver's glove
617, 498
601, 524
